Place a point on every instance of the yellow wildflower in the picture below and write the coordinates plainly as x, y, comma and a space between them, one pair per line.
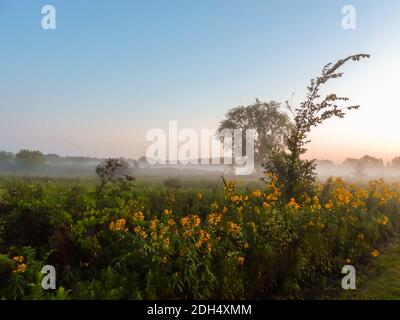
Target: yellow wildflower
375, 253
230, 186
235, 198
203, 238
153, 224
138, 216
191, 221
21, 268
214, 218
142, 233
184, 221
119, 225
167, 212
233, 228
329, 204
315, 205
257, 193
214, 205
383, 221
21, 265
293, 204
187, 234
19, 259
266, 205
196, 220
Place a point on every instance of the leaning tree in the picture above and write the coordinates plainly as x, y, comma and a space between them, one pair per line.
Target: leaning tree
297, 175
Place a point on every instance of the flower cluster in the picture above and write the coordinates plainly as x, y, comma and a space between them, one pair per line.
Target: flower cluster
119, 225
21, 267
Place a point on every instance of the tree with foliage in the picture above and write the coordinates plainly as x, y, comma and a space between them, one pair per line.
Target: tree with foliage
142, 162
30, 159
395, 163
111, 169
365, 162
351, 162
6, 157
371, 162
268, 121
297, 175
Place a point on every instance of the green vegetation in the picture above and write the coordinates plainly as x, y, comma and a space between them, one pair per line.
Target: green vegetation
381, 279
132, 241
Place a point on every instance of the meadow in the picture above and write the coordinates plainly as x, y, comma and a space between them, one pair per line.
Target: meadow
142, 240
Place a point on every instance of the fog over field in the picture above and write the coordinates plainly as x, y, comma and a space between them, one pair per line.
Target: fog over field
52, 165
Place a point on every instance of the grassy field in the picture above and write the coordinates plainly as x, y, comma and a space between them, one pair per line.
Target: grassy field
380, 280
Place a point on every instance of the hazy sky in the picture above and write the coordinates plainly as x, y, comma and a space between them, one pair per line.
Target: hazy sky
112, 70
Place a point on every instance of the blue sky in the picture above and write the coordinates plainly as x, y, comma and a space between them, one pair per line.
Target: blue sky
112, 70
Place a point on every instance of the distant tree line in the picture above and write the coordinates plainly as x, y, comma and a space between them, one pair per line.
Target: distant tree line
33, 160
24, 158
